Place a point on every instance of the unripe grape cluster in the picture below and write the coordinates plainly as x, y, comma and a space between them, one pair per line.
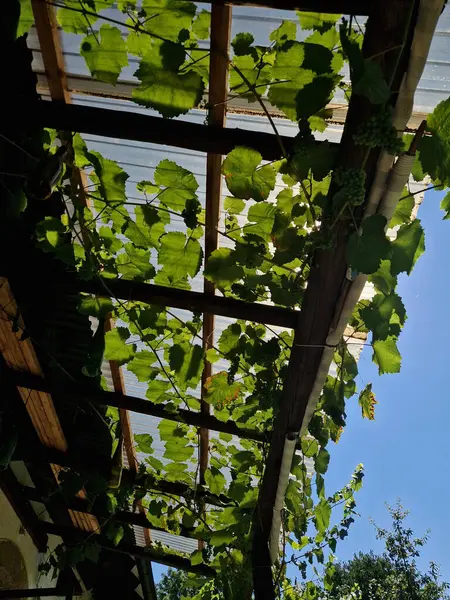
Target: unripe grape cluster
378, 132
352, 183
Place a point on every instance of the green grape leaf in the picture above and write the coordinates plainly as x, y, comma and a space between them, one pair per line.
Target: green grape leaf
372, 83
215, 480
366, 251
186, 361
320, 158
109, 239
322, 515
221, 538
222, 269
445, 206
156, 391
219, 392
403, 211
116, 346
178, 450
179, 255
234, 206
242, 44
95, 306
197, 557
180, 185
313, 96
249, 76
144, 443
135, 263
108, 178
26, 18
80, 152
262, 215
167, 91
387, 356
243, 177
229, 339
72, 20
321, 461
310, 447
384, 315
148, 227
169, 19
201, 25
367, 402
383, 280
407, 247
434, 150
286, 31
141, 365
105, 54
317, 21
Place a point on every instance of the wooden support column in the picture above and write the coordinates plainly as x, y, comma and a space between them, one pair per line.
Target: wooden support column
218, 93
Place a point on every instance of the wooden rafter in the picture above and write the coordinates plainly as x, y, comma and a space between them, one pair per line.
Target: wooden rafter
387, 27
218, 93
170, 560
187, 300
139, 127
80, 393
346, 7
19, 355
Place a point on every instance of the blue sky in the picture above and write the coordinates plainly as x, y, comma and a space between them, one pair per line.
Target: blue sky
406, 450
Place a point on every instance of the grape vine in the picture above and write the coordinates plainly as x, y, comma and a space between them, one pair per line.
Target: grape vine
271, 235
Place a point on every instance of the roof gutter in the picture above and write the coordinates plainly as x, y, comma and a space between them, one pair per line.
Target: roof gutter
384, 194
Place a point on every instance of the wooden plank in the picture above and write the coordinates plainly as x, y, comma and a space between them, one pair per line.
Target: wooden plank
218, 94
187, 300
54, 592
79, 393
127, 125
23, 509
170, 560
327, 286
52, 55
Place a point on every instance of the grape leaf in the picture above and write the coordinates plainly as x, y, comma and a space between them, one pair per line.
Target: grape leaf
72, 20
144, 443
148, 227
105, 54
407, 247
108, 178
445, 205
201, 25
243, 177
141, 366
248, 72
179, 255
116, 347
135, 263
180, 185
95, 306
367, 402
262, 215
387, 356
372, 83
434, 150
169, 19
403, 211
321, 461
382, 279
234, 206
384, 315
222, 269
229, 339
26, 18
221, 538
318, 21
286, 31
215, 480
366, 251
322, 514
186, 361
156, 390
219, 392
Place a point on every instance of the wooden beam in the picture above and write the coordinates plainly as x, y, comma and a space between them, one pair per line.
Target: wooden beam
327, 285
187, 300
84, 506
170, 560
19, 354
52, 55
127, 125
82, 393
23, 509
218, 94
346, 7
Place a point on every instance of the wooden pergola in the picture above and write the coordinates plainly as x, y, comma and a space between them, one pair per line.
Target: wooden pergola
388, 26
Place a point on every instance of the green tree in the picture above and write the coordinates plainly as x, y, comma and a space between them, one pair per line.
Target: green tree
393, 575
173, 586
